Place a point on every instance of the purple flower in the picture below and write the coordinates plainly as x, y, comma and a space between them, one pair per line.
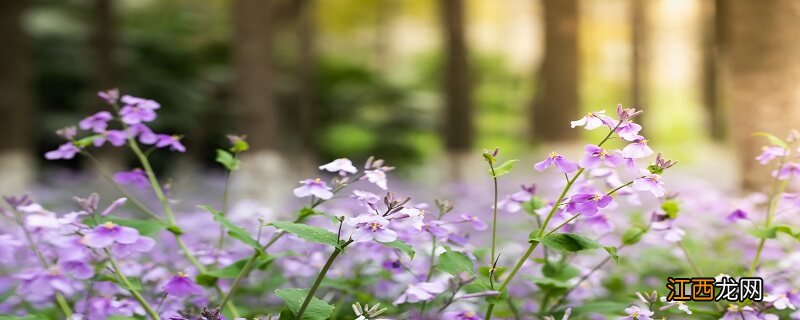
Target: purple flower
145, 134
513, 202
41, 285
365, 199
371, 226
65, 151
423, 291
587, 204
438, 229
651, 182
562, 164
636, 313
171, 141
595, 155
137, 110
97, 122
593, 120
78, 269
113, 206
476, 222
461, 315
67, 132
181, 286
637, 149
600, 224
134, 177
736, 215
770, 153
109, 233
114, 137
378, 177
415, 215
109, 96
313, 187
341, 165
788, 170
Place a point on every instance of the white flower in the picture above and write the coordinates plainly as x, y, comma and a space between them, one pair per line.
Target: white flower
341, 165
378, 177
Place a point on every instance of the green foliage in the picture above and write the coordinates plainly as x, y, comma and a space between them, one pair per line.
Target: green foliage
317, 309
234, 231
455, 263
402, 246
671, 207
210, 277
310, 233
145, 227
503, 168
228, 160
569, 242
633, 235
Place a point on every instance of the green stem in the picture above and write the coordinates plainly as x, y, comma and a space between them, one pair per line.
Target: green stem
778, 187
494, 215
319, 279
543, 227
170, 215
136, 295
225, 197
60, 300
107, 175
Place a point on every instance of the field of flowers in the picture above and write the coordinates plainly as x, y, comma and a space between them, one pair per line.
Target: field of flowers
595, 237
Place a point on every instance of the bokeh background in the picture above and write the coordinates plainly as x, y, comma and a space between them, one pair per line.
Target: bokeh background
424, 84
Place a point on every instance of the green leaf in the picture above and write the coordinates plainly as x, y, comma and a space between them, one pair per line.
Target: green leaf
145, 227
87, 141
532, 205
764, 233
568, 242
316, 310
28, 317
397, 244
228, 160
454, 263
671, 208
310, 233
789, 230
773, 139
550, 283
633, 236
234, 231
612, 251
561, 272
231, 271
489, 157
239, 145
503, 168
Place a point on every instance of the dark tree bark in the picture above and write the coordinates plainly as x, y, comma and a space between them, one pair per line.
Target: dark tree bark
557, 100
638, 31
306, 62
16, 163
15, 78
762, 76
712, 40
458, 108
254, 112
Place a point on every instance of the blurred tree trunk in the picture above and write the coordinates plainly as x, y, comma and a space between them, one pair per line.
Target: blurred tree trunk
638, 45
102, 43
458, 108
16, 146
306, 63
762, 70
712, 40
557, 100
254, 112
384, 18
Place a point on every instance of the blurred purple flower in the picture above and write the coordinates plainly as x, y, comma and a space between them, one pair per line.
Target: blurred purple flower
476, 222
561, 163
372, 226
378, 177
636, 313
134, 177
416, 216
67, 132
171, 141
595, 155
587, 204
109, 96
788, 170
736, 215
461, 315
137, 110
65, 151
145, 134
593, 120
181, 286
768, 153
366, 199
651, 183
423, 291
97, 122
637, 149
114, 137
109, 233
313, 187
114, 206
342, 165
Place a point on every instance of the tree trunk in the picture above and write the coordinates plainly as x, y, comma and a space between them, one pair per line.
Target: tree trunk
712, 39
16, 160
638, 31
557, 100
306, 70
762, 70
255, 114
458, 109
